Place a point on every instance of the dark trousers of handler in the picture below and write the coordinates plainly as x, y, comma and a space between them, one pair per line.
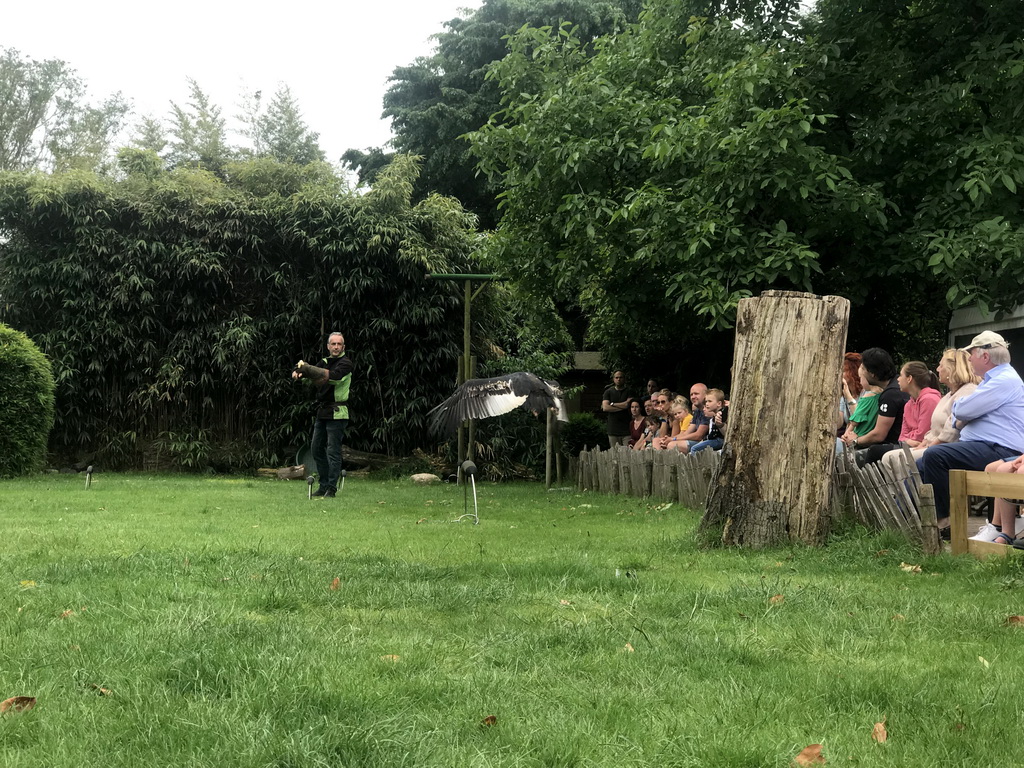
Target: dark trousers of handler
328, 436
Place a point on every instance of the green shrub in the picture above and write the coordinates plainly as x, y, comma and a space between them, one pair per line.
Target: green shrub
584, 430
26, 403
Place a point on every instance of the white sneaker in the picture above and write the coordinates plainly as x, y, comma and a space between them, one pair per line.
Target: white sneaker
987, 532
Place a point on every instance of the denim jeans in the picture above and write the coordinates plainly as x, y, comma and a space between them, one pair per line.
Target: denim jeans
328, 435
704, 445
936, 462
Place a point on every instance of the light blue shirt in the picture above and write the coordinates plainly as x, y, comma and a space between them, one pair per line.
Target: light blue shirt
994, 412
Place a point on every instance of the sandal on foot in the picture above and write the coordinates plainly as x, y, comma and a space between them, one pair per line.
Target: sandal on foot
1005, 539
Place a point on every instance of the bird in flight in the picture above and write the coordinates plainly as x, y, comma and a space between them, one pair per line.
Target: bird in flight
484, 398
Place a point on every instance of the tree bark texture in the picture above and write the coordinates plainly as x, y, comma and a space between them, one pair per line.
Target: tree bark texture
774, 481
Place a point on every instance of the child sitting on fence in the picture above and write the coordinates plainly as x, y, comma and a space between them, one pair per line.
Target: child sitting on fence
864, 416
718, 412
679, 419
650, 433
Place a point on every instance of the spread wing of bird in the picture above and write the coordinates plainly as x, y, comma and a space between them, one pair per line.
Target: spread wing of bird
484, 398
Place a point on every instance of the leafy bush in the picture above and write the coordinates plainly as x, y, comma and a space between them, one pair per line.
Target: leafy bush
26, 403
584, 430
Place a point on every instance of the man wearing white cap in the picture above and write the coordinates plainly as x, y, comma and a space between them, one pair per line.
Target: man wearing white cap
990, 419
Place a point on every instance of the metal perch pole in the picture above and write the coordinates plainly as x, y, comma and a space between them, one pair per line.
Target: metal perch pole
469, 470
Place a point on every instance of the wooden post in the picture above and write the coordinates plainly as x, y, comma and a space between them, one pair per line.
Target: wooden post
929, 529
547, 448
774, 482
958, 511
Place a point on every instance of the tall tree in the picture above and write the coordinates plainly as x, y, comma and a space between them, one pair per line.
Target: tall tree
279, 131
198, 133
437, 99
693, 161
150, 133
668, 175
46, 121
929, 99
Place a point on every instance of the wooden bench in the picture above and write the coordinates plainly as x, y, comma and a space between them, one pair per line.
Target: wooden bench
990, 484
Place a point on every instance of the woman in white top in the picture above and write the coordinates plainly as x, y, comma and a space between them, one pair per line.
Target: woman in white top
955, 373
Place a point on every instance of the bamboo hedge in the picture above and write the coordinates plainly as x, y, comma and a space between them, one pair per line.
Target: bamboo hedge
173, 305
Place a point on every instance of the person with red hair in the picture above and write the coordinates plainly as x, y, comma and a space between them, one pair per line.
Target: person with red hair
851, 390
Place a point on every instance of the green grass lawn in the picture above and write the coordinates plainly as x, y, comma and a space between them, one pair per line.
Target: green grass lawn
184, 621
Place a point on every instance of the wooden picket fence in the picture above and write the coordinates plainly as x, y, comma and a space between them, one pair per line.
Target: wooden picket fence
879, 496
890, 495
666, 475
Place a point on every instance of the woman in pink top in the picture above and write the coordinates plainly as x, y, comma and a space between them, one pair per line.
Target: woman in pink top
922, 385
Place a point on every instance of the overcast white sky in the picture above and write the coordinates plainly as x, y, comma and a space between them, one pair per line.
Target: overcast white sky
335, 56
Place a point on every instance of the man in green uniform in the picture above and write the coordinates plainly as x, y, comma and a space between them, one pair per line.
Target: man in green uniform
332, 379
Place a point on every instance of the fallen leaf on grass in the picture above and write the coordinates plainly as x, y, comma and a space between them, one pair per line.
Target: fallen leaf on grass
421, 520
882, 553
878, 733
628, 648
1014, 621
27, 584
101, 690
910, 568
898, 617
984, 662
489, 721
776, 599
564, 602
391, 657
17, 704
336, 583
809, 755
67, 613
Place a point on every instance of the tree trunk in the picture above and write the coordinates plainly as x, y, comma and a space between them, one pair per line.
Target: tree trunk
774, 481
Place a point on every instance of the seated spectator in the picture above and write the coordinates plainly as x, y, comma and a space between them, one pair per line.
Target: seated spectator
717, 411
699, 423
865, 412
679, 419
660, 401
637, 421
1005, 525
956, 374
880, 371
652, 425
990, 420
922, 386
852, 387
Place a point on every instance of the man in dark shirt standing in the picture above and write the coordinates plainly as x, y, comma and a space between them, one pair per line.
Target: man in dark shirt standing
615, 402
332, 378
879, 370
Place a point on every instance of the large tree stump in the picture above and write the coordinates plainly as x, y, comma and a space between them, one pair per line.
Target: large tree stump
774, 481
